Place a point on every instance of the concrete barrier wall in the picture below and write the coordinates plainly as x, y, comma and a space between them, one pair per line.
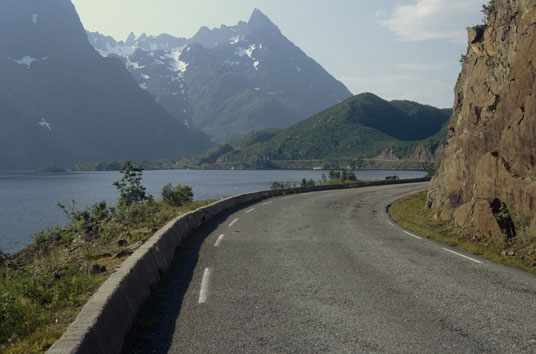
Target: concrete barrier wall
101, 326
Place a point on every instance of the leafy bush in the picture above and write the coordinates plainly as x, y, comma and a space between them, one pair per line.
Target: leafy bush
178, 195
130, 188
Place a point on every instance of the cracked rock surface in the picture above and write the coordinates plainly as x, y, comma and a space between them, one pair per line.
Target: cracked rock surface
491, 150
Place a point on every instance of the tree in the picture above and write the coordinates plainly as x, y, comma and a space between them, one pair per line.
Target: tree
131, 191
178, 195
487, 10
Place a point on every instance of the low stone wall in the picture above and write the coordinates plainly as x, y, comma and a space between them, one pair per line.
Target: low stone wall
101, 326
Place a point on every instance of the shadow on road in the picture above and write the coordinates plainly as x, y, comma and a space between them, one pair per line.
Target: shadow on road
154, 327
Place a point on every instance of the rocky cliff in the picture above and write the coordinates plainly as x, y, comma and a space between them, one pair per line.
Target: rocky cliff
488, 174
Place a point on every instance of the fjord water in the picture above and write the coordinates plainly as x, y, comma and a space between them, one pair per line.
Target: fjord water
29, 200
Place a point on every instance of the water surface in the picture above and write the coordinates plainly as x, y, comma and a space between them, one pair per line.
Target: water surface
28, 200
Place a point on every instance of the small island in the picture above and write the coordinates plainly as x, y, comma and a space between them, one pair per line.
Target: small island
51, 169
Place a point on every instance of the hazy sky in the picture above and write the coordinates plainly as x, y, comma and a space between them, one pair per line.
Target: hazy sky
397, 49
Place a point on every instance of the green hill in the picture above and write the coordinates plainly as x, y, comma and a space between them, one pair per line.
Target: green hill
364, 131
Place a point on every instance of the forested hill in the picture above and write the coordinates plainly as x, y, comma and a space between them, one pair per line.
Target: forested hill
364, 131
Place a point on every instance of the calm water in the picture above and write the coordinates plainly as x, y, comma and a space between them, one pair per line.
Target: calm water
28, 200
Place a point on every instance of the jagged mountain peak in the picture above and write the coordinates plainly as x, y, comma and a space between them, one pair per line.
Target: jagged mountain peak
230, 80
131, 39
40, 28
259, 20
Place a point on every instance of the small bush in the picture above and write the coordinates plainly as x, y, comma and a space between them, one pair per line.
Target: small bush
178, 195
280, 185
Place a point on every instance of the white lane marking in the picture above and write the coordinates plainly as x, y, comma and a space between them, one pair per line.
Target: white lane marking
219, 240
233, 222
250, 210
461, 255
286, 197
267, 203
390, 223
205, 283
412, 235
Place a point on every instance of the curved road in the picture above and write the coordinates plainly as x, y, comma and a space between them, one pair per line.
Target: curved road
328, 272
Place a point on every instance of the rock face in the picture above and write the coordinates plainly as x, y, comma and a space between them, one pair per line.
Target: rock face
489, 164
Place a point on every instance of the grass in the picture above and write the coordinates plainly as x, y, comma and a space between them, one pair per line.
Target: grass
520, 252
44, 286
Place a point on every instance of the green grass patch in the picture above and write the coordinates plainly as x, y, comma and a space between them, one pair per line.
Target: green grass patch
44, 286
410, 213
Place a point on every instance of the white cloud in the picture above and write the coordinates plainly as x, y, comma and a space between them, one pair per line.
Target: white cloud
433, 19
404, 87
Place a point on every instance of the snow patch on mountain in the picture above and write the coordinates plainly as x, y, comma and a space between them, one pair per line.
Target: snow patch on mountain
27, 60
177, 65
43, 122
256, 65
234, 40
119, 50
250, 50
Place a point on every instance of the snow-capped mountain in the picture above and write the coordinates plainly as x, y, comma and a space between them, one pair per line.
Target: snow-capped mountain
228, 81
61, 102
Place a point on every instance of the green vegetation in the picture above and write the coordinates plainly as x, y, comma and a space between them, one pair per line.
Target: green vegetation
487, 10
51, 169
44, 286
307, 183
342, 176
280, 185
98, 166
362, 132
518, 251
178, 195
131, 191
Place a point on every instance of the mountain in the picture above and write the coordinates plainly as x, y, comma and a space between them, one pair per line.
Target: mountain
362, 127
228, 81
364, 131
486, 182
61, 102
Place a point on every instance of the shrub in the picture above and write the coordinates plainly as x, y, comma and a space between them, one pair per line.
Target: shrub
487, 10
3, 257
178, 195
130, 188
307, 183
342, 176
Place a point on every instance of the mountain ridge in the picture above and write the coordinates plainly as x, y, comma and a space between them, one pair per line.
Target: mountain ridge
64, 103
250, 71
342, 136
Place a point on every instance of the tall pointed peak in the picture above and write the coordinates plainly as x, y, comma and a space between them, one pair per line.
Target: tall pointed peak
131, 39
260, 21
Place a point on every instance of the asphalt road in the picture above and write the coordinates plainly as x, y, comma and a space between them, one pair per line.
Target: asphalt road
329, 272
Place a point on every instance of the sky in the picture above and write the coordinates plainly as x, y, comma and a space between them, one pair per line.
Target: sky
397, 49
